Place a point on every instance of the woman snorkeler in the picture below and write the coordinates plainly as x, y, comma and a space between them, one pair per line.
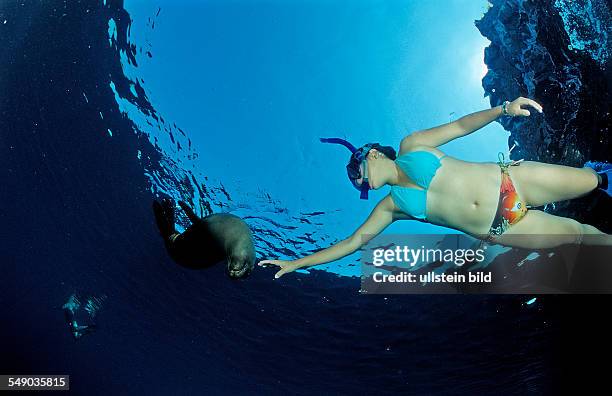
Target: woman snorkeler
486, 200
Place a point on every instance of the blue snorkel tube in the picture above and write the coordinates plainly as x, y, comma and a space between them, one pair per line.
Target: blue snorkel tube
358, 156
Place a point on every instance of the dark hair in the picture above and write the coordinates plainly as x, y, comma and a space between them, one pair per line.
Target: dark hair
358, 156
386, 150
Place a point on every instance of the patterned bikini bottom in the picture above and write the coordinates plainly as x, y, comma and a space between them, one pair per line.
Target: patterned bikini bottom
510, 208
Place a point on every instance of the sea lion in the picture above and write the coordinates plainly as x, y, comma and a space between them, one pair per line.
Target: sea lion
209, 240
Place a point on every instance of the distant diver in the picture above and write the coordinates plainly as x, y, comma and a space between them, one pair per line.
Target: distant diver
74, 313
208, 241
486, 200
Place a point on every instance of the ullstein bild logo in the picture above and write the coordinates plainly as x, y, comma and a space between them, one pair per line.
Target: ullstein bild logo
458, 263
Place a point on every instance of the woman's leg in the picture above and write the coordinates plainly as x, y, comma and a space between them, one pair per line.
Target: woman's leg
539, 183
541, 230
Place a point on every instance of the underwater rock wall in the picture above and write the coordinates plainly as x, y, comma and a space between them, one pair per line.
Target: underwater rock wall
556, 52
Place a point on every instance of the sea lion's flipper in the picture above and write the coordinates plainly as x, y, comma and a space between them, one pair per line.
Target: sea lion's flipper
164, 216
190, 213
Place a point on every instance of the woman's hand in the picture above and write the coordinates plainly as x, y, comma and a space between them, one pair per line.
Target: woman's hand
285, 266
514, 108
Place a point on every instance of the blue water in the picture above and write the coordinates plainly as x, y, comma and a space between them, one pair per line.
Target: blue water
276, 76
227, 112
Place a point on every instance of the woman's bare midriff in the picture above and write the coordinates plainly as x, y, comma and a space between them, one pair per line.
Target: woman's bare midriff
463, 195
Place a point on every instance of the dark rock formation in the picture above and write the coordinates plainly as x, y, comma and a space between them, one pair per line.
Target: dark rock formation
556, 52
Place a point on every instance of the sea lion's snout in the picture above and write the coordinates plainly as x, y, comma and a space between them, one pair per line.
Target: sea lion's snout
239, 267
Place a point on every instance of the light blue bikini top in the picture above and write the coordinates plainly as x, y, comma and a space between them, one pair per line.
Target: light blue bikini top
420, 167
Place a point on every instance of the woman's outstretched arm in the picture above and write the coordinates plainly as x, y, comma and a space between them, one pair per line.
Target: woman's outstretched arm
465, 125
380, 217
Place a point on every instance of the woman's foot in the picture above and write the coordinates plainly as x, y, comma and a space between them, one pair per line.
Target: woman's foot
605, 185
604, 173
